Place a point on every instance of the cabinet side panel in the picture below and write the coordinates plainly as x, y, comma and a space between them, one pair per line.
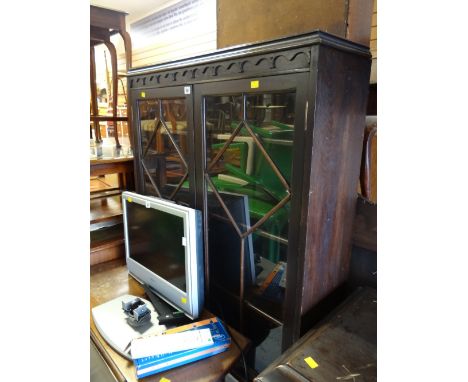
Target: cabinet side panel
330, 192
295, 273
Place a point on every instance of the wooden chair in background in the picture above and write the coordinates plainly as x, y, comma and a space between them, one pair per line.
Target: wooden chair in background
368, 176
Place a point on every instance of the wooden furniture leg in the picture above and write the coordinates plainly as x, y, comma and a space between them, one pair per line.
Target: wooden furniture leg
128, 64
115, 86
365, 178
128, 48
121, 181
94, 106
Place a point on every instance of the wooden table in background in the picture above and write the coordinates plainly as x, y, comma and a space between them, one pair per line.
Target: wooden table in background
111, 280
121, 166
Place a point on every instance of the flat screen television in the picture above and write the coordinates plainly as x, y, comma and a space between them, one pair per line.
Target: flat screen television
163, 245
224, 243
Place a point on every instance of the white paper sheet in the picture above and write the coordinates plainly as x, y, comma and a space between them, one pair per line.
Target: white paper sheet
168, 343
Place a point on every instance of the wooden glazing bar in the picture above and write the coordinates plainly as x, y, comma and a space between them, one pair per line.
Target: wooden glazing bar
176, 146
151, 179
267, 157
263, 313
279, 239
225, 147
158, 123
179, 186
266, 216
231, 219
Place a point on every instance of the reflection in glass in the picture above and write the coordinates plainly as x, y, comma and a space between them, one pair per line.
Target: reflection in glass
163, 124
148, 114
249, 152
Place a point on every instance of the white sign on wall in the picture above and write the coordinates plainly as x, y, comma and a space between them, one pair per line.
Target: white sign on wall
186, 19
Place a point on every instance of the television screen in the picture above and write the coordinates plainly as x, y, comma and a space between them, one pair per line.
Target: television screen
164, 250
157, 240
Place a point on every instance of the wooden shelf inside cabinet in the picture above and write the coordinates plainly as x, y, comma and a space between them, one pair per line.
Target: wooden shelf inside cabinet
108, 118
268, 310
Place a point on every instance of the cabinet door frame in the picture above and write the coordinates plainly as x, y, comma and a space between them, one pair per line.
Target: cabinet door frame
297, 82
164, 93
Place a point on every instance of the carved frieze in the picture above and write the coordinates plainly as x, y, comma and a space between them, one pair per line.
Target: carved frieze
265, 64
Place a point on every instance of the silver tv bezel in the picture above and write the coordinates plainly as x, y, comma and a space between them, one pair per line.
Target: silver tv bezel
191, 301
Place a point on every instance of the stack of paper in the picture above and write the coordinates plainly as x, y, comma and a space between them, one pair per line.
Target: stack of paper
169, 343
179, 346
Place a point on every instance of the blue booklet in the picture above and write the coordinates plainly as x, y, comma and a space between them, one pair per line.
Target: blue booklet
158, 363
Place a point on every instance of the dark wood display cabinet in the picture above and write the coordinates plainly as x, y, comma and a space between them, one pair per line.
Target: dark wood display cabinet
266, 140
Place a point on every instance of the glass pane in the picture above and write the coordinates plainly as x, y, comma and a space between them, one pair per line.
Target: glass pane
223, 114
148, 113
251, 173
163, 125
271, 117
